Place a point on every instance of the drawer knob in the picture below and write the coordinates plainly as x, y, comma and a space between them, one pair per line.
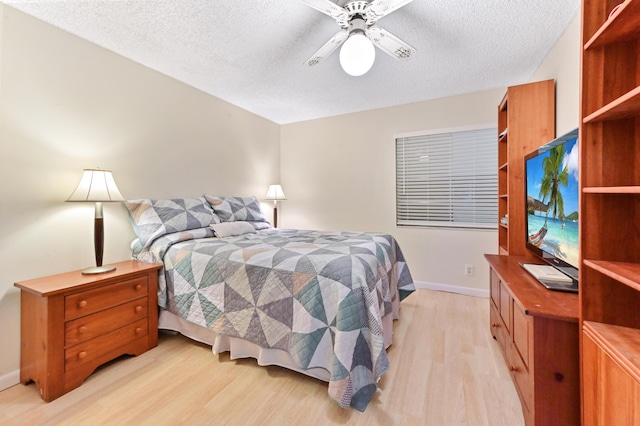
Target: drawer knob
138, 330
82, 329
513, 368
138, 287
495, 325
82, 354
138, 308
82, 303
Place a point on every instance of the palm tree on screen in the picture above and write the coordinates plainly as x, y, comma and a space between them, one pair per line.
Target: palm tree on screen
554, 176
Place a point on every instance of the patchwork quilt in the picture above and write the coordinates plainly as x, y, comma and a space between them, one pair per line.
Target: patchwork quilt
319, 296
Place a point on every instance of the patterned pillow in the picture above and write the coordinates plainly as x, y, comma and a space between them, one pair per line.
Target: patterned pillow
153, 218
232, 209
259, 226
230, 229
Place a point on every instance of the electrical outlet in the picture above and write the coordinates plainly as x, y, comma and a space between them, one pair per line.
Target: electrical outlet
468, 270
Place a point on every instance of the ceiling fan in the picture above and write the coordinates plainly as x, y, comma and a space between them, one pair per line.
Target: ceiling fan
357, 20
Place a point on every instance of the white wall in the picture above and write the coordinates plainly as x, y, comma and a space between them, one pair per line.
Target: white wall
1, 32
339, 173
65, 105
563, 65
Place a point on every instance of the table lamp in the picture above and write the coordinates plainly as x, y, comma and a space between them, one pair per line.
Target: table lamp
275, 193
97, 186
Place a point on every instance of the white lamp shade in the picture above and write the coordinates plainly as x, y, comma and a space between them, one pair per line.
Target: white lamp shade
275, 193
98, 186
357, 55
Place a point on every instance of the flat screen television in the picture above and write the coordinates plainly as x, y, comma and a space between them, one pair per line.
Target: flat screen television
552, 203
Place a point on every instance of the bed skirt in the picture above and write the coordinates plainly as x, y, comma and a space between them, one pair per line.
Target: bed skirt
240, 348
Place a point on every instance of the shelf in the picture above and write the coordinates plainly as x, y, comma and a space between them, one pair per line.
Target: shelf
611, 190
622, 344
502, 225
503, 104
526, 120
623, 26
609, 213
626, 273
626, 106
504, 251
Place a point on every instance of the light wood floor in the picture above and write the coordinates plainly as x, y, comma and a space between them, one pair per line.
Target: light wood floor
445, 370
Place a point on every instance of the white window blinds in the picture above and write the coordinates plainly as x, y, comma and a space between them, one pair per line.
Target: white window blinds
448, 179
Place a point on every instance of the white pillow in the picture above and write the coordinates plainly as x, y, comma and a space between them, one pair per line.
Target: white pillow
228, 229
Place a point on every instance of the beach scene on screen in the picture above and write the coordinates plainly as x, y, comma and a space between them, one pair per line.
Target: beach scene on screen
552, 201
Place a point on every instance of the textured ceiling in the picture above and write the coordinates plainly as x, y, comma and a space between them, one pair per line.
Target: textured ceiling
251, 53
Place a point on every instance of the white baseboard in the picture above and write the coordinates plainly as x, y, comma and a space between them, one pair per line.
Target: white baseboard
476, 292
9, 379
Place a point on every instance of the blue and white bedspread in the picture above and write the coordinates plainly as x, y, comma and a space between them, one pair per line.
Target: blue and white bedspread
319, 296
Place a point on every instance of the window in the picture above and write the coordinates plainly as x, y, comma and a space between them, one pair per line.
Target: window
448, 179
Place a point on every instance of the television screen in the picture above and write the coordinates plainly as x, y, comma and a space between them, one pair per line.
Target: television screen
552, 202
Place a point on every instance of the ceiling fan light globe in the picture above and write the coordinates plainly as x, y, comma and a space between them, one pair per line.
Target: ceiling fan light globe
357, 55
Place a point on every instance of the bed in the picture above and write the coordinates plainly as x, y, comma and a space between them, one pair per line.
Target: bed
320, 303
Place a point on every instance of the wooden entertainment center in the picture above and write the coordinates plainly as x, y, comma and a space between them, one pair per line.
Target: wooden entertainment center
537, 329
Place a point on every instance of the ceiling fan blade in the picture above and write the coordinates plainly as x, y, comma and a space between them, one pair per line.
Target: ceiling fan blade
328, 8
328, 48
390, 44
379, 8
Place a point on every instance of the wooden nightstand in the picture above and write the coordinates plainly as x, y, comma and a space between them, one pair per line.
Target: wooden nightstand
72, 323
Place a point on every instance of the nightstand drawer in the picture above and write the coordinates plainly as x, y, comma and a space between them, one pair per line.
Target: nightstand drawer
87, 302
94, 325
88, 351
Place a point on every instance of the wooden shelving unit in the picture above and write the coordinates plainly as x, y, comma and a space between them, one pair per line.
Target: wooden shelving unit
526, 121
536, 331
610, 213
